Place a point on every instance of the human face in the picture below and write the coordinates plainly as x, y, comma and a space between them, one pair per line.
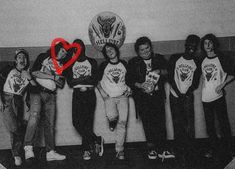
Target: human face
145, 51
190, 48
111, 52
21, 61
208, 46
61, 54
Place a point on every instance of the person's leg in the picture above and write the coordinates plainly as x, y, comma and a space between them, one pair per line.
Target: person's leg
123, 109
79, 117
12, 125
111, 112
210, 127
35, 110
179, 120
49, 103
222, 115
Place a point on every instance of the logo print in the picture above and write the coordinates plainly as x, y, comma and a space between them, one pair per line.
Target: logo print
60, 69
106, 27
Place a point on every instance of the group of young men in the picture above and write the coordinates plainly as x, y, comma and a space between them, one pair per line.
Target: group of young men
143, 78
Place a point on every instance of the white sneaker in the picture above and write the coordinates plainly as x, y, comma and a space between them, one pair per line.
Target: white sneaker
86, 155
28, 152
52, 155
18, 160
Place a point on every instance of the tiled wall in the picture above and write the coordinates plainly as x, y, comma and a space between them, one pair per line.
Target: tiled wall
65, 133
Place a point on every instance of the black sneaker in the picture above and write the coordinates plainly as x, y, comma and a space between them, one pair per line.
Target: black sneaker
120, 155
152, 155
112, 125
86, 155
99, 146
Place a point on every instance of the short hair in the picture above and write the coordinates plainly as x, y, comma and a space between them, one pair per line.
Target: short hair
192, 38
104, 52
18, 51
81, 43
140, 41
213, 39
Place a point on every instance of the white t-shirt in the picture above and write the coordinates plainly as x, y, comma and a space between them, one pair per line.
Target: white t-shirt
213, 76
15, 83
48, 67
81, 69
113, 80
183, 76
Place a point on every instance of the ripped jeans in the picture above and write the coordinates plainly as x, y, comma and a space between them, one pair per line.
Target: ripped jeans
42, 105
118, 107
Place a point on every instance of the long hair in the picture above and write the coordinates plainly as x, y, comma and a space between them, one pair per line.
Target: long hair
104, 52
213, 39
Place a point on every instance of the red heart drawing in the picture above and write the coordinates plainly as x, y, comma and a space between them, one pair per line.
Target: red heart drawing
66, 46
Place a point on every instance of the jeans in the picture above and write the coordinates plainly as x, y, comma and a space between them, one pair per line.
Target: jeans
43, 104
218, 108
118, 108
182, 110
83, 108
13, 120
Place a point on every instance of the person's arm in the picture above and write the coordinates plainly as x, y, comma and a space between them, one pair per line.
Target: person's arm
171, 73
228, 68
102, 92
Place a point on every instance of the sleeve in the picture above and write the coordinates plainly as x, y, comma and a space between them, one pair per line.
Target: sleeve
101, 70
171, 73
68, 74
196, 77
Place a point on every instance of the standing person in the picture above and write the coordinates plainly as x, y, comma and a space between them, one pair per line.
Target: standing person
82, 77
184, 75
146, 76
115, 93
43, 102
13, 82
217, 72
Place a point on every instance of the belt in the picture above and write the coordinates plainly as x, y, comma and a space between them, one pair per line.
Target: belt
43, 89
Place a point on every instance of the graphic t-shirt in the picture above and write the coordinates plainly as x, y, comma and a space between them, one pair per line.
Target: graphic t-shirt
148, 64
183, 74
15, 83
44, 63
80, 70
113, 80
213, 76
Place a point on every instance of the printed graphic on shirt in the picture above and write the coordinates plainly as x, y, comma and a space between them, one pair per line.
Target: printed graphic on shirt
49, 68
15, 84
184, 72
113, 81
213, 76
148, 64
81, 69
153, 77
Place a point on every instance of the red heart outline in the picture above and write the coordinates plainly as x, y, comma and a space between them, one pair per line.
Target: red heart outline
66, 46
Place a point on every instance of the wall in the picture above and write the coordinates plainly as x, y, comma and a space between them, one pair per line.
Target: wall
65, 133
34, 24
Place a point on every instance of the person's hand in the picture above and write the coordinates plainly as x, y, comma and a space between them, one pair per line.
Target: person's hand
148, 87
128, 91
26, 74
219, 88
59, 80
1, 105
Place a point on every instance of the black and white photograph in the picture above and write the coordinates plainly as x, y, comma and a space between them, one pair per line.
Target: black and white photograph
125, 84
